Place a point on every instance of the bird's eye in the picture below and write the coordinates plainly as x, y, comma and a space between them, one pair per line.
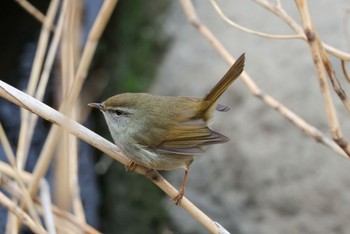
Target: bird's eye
118, 112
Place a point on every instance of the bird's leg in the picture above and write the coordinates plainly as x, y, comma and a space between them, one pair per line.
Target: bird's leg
130, 166
177, 199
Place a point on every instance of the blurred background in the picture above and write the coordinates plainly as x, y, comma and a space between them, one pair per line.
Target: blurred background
270, 178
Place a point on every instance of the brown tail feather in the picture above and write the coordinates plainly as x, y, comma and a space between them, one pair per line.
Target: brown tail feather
230, 76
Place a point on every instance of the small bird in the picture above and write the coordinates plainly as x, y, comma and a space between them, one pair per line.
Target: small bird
165, 132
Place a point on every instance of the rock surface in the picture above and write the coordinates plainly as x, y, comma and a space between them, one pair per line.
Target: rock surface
270, 178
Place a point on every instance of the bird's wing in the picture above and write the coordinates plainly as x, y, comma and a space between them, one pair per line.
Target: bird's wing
188, 138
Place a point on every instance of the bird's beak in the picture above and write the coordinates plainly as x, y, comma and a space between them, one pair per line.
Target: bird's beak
97, 105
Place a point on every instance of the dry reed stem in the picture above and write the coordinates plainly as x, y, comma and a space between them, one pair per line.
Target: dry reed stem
44, 159
337, 87
12, 226
32, 88
73, 49
23, 143
12, 160
24, 217
48, 64
345, 72
63, 217
88, 52
25, 101
36, 85
252, 86
66, 217
62, 173
62, 167
316, 53
51, 55
33, 11
39, 94
74, 187
47, 207
66, 168
6, 169
55, 132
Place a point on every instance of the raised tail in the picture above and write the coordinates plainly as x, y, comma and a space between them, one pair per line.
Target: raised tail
230, 76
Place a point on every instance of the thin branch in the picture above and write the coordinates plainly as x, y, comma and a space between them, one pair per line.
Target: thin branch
253, 88
47, 206
247, 30
23, 143
24, 217
335, 52
12, 160
27, 133
316, 54
280, 12
60, 215
71, 219
6, 169
337, 87
51, 55
89, 50
61, 121
66, 168
277, 10
345, 72
34, 12
55, 132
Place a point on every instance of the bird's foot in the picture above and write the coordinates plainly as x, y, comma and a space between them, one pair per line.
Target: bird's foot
177, 199
130, 166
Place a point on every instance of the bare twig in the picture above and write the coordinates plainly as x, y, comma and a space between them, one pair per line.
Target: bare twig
247, 30
60, 215
24, 217
346, 25
44, 78
12, 160
67, 217
336, 52
317, 48
314, 45
345, 72
89, 50
23, 143
280, 12
47, 206
51, 55
33, 11
64, 218
333, 78
251, 85
66, 168
54, 134
277, 10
